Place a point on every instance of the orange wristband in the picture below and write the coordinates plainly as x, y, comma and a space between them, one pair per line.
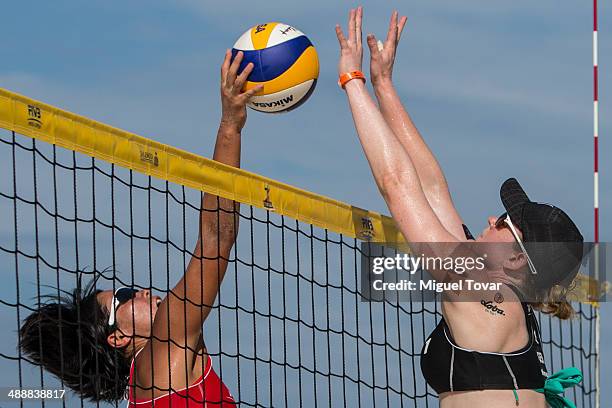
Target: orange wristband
344, 78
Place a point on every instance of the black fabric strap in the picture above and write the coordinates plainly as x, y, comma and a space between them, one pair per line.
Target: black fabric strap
467, 232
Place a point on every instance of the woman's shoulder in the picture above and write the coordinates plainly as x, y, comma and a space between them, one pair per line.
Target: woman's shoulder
495, 323
155, 367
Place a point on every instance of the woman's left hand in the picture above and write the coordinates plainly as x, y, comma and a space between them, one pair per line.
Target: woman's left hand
381, 61
351, 50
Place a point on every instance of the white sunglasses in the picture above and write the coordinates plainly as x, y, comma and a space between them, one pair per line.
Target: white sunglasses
505, 219
121, 295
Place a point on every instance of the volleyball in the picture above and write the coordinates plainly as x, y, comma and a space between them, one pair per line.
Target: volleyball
285, 62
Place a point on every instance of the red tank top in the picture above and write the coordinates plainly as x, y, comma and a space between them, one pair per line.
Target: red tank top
206, 391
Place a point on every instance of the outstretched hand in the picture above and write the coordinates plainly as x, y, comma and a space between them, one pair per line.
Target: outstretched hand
233, 99
381, 61
351, 50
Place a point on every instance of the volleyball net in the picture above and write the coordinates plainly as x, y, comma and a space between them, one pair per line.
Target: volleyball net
84, 202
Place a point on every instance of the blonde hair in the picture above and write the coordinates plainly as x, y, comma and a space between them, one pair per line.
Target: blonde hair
554, 302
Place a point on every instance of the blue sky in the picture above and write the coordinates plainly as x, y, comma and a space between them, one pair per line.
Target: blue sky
497, 89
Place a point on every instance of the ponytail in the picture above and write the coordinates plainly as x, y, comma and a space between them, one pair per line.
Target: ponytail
555, 303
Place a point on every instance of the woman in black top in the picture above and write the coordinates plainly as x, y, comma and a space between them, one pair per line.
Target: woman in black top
474, 357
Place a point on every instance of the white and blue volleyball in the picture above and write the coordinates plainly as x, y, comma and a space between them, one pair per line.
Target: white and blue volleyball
285, 62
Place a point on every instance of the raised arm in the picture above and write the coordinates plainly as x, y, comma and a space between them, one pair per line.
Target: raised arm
427, 167
392, 167
181, 314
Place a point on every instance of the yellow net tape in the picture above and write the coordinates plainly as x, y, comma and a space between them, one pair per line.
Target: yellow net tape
52, 125
47, 123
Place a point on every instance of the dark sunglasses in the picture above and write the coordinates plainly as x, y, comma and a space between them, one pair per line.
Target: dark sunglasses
501, 220
505, 221
121, 296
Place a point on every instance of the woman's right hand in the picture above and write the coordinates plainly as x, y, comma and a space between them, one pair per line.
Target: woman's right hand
233, 99
381, 61
351, 50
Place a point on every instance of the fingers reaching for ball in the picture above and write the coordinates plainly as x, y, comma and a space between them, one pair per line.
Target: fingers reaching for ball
234, 82
252, 92
351, 49
225, 66
233, 98
382, 57
396, 26
242, 78
233, 69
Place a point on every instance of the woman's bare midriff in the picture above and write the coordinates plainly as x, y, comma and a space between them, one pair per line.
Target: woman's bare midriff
492, 398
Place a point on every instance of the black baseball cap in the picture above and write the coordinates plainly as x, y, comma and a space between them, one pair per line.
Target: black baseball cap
552, 240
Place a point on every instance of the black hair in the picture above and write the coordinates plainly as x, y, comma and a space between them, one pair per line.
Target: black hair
67, 335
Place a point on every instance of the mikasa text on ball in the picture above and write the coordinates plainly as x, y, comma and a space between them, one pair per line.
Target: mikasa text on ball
285, 62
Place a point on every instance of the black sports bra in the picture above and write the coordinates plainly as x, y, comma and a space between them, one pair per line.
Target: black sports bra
449, 367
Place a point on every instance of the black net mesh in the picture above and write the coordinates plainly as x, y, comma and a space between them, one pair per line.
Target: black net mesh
288, 327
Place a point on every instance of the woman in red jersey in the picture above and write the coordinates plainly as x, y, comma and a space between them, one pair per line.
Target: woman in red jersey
162, 359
